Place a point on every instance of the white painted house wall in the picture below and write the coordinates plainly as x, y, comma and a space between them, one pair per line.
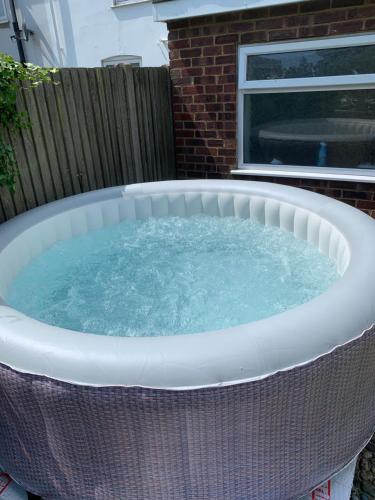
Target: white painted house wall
84, 32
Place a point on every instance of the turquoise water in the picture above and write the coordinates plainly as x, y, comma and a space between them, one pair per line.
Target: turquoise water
170, 276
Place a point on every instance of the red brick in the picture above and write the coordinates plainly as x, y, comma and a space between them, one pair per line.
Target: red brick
172, 35
214, 29
205, 98
226, 116
224, 60
361, 12
283, 34
230, 87
228, 17
226, 98
230, 49
174, 25
202, 61
206, 116
229, 106
214, 70
180, 63
213, 89
192, 72
253, 37
311, 31
195, 125
216, 125
213, 51
229, 134
206, 151
189, 33
193, 89
193, 108
214, 106
231, 69
175, 73
186, 133
182, 116
292, 21
179, 44
201, 20
216, 142
195, 142
205, 80
227, 152
366, 204
223, 39
195, 158
227, 78
330, 16
202, 41
186, 53
270, 24
346, 27
207, 134
241, 27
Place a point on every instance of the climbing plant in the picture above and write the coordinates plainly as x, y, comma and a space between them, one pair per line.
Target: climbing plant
14, 75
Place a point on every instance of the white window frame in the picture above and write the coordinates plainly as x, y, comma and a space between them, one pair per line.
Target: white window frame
4, 18
121, 59
299, 85
124, 3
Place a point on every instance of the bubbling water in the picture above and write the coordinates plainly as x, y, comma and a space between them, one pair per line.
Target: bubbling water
170, 276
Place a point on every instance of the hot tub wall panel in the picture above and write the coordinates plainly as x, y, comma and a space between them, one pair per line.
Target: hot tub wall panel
270, 439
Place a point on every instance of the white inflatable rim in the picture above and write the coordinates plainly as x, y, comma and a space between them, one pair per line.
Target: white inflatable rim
241, 354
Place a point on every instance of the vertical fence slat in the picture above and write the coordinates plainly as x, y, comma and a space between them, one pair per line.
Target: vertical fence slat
91, 129
134, 125
41, 158
97, 127
60, 151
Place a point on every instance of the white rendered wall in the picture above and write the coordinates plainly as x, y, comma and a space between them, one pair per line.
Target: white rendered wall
83, 32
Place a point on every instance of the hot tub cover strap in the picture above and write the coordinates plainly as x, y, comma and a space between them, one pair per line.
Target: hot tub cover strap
274, 438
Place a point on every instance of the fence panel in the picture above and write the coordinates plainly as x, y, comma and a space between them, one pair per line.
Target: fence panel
97, 127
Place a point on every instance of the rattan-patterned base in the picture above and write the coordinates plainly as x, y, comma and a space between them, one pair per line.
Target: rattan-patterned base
275, 438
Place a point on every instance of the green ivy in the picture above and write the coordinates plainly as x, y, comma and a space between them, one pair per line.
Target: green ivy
14, 75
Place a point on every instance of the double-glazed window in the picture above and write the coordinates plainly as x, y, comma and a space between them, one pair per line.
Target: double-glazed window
308, 107
3, 12
135, 61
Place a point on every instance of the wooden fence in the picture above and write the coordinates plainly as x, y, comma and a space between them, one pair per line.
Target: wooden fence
95, 128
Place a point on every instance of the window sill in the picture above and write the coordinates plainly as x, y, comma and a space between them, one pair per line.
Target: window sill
333, 174
128, 2
4, 21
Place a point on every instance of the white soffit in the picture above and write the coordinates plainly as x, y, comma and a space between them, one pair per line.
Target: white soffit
181, 9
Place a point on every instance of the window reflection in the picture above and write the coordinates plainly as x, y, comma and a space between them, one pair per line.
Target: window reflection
312, 63
323, 128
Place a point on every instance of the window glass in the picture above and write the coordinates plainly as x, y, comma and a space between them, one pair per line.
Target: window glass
331, 128
3, 13
312, 63
135, 61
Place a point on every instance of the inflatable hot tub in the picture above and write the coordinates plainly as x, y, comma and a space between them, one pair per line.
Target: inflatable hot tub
265, 410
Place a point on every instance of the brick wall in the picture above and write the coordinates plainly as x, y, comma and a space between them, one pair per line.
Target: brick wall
203, 55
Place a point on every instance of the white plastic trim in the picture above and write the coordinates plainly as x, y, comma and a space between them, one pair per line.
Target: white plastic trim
180, 9
244, 353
